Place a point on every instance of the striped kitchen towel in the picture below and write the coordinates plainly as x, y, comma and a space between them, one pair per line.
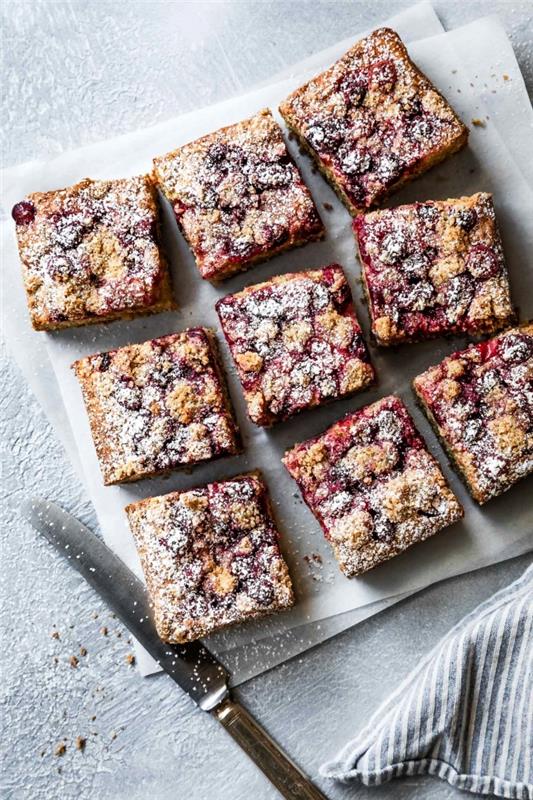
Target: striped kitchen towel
465, 714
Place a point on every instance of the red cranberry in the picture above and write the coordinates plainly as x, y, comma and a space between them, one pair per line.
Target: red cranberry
326, 135
428, 213
105, 362
466, 218
383, 75
411, 107
356, 191
271, 175
216, 155
421, 129
482, 262
23, 213
356, 161
353, 86
261, 590
389, 168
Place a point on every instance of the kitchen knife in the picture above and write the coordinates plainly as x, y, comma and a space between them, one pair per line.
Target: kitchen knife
191, 666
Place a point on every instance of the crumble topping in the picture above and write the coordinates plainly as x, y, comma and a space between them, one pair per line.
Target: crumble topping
90, 252
372, 120
372, 485
433, 268
238, 196
157, 406
486, 422
296, 342
210, 556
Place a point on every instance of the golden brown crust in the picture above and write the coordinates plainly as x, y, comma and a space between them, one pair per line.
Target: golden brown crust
157, 406
90, 253
373, 486
373, 121
210, 557
434, 268
478, 402
238, 196
296, 342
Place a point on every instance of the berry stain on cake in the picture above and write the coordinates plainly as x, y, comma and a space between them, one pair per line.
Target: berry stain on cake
372, 485
90, 253
373, 121
296, 342
157, 406
480, 402
434, 268
238, 196
211, 557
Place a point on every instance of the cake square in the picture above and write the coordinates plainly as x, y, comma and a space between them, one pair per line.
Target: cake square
90, 253
480, 403
210, 557
157, 406
434, 268
296, 342
238, 196
373, 121
372, 485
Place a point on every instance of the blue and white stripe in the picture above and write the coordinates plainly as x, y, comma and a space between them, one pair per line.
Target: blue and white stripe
465, 714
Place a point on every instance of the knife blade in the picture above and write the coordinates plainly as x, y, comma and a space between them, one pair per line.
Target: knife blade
191, 666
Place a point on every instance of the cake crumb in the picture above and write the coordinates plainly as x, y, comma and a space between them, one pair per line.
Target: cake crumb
80, 743
506, 77
103, 630
83, 651
74, 662
328, 206
60, 749
130, 659
55, 634
479, 123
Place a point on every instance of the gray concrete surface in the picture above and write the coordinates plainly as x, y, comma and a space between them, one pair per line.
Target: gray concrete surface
75, 72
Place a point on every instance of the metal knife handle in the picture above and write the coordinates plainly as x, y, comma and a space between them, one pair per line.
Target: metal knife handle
279, 769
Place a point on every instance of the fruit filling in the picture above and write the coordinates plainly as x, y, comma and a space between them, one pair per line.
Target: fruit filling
211, 557
296, 342
372, 120
372, 485
238, 196
157, 406
434, 268
90, 252
481, 403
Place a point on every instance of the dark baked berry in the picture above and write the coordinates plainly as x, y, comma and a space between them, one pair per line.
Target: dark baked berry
23, 213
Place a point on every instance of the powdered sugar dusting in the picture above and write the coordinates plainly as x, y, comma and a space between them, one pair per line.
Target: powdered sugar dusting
482, 402
90, 251
238, 196
211, 557
157, 406
434, 268
372, 485
296, 342
373, 120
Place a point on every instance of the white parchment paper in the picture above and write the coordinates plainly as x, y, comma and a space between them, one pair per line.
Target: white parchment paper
468, 66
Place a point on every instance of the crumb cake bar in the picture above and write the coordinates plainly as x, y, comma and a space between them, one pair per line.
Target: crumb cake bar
434, 268
373, 121
238, 196
480, 402
372, 485
157, 406
210, 557
296, 342
90, 253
